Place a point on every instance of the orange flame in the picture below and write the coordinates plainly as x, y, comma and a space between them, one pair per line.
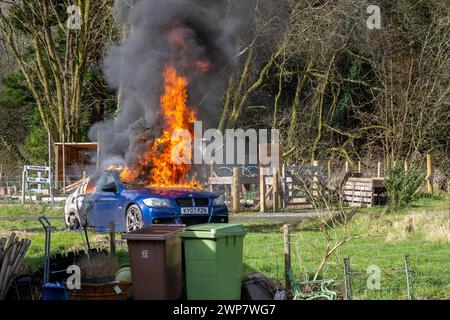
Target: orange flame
158, 159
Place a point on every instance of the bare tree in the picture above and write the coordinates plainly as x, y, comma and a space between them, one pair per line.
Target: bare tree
332, 218
56, 71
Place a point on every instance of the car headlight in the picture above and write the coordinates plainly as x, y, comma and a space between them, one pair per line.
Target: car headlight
219, 202
80, 202
156, 202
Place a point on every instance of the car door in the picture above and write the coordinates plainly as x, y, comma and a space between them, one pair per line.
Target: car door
87, 191
106, 204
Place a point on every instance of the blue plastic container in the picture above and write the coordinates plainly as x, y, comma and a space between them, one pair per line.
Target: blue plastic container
54, 291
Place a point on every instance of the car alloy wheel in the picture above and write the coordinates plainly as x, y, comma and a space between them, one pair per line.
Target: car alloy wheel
134, 218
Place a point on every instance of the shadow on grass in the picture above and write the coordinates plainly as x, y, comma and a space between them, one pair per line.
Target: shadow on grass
271, 227
309, 224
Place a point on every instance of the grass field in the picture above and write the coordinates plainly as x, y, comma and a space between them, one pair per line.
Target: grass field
384, 245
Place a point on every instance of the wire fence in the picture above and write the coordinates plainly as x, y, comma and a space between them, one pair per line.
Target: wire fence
376, 270
377, 267
374, 273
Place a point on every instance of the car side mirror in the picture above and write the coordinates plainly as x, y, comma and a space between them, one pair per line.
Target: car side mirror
110, 187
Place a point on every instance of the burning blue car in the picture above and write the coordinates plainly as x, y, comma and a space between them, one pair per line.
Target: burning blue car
132, 206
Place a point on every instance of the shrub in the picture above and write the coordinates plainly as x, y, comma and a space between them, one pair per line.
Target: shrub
401, 185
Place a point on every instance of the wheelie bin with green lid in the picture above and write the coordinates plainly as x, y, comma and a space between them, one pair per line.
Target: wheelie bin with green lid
213, 259
156, 263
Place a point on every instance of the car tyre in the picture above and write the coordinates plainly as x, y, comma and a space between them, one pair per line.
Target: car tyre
133, 218
74, 223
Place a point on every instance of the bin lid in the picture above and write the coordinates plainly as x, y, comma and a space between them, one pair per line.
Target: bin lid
154, 232
213, 231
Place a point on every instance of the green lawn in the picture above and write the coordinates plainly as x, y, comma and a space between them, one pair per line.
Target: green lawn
384, 245
12, 211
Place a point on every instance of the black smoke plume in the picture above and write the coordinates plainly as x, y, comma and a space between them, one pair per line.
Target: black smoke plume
134, 68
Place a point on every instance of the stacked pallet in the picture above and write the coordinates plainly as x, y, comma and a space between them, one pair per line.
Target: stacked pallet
12, 253
363, 192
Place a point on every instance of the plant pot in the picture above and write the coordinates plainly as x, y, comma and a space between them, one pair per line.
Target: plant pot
98, 280
106, 291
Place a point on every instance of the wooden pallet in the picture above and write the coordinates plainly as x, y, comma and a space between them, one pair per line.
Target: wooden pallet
362, 192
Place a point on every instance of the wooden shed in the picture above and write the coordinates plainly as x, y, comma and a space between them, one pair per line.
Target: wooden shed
77, 158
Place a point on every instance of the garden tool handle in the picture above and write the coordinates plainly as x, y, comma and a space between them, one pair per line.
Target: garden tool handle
45, 223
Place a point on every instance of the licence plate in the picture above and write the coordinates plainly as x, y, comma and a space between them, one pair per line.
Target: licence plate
194, 211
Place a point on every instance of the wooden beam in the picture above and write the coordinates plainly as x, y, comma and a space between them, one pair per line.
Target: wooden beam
229, 180
275, 192
262, 190
429, 174
235, 190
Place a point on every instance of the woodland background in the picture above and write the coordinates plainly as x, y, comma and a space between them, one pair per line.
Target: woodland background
311, 68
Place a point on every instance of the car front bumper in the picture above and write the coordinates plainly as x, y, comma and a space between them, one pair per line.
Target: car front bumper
173, 215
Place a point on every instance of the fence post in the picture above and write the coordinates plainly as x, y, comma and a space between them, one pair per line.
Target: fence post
275, 193
409, 279
112, 237
429, 174
406, 165
284, 186
235, 190
23, 186
50, 184
346, 166
287, 256
64, 163
315, 185
359, 166
262, 190
347, 279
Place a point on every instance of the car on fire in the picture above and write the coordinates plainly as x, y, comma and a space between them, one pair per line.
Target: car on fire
70, 208
105, 199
